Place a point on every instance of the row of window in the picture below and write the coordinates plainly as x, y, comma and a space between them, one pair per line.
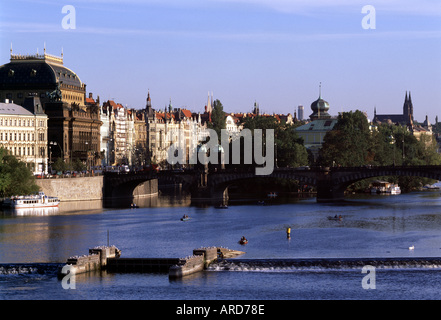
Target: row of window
20, 122
25, 151
13, 136
66, 96
71, 97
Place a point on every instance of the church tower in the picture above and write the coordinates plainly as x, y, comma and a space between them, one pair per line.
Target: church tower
408, 107
148, 107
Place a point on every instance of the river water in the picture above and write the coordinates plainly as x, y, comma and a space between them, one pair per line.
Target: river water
33, 244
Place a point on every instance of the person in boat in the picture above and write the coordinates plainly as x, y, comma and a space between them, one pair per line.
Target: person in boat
243, 239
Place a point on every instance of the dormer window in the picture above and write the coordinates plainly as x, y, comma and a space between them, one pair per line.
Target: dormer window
11, 73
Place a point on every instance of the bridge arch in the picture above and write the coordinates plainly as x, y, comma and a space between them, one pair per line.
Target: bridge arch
349, 176
128, 185
342, 178
219, 182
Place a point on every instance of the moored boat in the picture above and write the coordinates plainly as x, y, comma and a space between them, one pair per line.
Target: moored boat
384, 187
39, 200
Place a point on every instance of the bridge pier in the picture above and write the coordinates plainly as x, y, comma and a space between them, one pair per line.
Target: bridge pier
327, 191
210, 195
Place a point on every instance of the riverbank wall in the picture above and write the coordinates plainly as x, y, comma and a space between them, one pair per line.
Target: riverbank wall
87, 188
73, 189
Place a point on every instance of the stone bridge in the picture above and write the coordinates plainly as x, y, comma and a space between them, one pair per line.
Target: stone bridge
127, 185
331, 185
331, 182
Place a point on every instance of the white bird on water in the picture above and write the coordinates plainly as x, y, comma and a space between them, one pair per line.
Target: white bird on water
412, 247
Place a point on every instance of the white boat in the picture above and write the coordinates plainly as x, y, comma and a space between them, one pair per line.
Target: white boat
39, 200
384, 187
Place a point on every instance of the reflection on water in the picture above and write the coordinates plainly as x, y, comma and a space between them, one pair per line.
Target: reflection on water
96, 206
153, 201
36, 211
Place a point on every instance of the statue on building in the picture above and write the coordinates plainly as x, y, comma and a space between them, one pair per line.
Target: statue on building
56, 94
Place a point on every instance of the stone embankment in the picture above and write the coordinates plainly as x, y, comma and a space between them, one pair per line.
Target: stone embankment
88, 188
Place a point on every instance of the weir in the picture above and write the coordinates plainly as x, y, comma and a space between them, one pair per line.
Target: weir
108, 258
317, 264
95, 260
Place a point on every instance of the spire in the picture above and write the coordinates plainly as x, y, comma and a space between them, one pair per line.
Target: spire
320, 90
149, 100
11, 48
209, 104
405, 99
410, 99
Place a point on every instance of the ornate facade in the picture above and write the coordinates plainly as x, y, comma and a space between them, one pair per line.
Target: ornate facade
178, 127
73, 123
23, 132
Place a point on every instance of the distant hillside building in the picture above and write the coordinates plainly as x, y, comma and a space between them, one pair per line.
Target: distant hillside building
403, 119
300, 113
314, 131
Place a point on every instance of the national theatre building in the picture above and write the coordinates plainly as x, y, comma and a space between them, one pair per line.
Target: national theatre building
73, 121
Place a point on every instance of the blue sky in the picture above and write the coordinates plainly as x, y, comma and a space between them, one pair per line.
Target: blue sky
273, 52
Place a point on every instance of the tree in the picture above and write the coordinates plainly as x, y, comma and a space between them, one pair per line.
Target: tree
217, 118
352, 143
349, 143
289, 151
59, 165
15, 177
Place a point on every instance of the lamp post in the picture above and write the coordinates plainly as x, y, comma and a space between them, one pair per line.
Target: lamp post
403, 149
87, 156
393, 143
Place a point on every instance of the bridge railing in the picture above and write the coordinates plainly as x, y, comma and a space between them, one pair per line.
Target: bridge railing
371, 167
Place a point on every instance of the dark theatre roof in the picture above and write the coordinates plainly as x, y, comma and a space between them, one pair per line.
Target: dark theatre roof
36, 71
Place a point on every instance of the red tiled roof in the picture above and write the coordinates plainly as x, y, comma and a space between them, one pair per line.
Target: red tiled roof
187, 113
